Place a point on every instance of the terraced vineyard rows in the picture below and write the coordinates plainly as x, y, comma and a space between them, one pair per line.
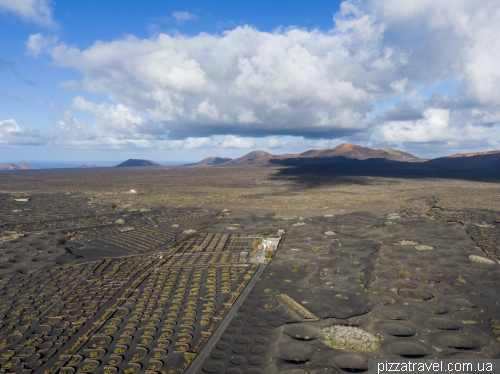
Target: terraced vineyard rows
144, 237
164, 322
126, 314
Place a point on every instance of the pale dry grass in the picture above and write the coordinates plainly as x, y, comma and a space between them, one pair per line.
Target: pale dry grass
218, 188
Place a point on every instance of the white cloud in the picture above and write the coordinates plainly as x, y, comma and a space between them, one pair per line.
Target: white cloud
434, 127
67, 122
248, 117
11, 133
231, 141
399, 86
38, 43
118, 119
182, 17
246, 82
36, 11
208, 110
200, 143
274, 142
317, 84
319, 143
115, 127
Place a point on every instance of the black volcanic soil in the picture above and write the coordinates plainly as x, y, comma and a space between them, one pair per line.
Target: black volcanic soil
407, 280
101, 275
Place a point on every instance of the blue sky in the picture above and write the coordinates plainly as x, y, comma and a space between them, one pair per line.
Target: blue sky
95, 81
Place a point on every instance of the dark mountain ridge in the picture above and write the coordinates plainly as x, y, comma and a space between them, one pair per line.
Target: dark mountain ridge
137, 162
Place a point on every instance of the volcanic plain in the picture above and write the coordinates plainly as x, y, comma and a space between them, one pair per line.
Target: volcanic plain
153, 269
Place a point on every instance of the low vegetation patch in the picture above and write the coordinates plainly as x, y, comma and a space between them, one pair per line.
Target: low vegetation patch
393, 216
424, 247
268, 253
407, 242
351, 338
481, 259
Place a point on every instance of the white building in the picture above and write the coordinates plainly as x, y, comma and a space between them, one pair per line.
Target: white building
270, 243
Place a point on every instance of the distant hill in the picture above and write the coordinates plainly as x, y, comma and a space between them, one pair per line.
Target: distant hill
346, 150
458, 155
23, 166
356, 152
8, 166
479, 160
402, 156
255, 157
213, 161
135, 162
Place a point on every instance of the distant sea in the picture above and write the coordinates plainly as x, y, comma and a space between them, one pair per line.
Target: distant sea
75, 164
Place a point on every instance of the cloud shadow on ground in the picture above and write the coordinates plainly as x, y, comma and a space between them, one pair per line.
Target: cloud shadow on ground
339, 170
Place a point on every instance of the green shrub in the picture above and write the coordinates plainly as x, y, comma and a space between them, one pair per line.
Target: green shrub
268, 253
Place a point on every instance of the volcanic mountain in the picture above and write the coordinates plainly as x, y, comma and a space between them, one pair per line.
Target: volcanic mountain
23, 166
136, 162
356, 152
401, 156
213, 161
477, 160
346, 150
254, 157
458, 155
259, 157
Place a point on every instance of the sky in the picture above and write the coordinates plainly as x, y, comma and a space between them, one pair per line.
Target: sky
178, 81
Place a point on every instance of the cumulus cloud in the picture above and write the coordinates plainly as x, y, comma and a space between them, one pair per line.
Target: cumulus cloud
69, 123
228, 141
274, 142
36, 11
318, 143
114, 127
190, 143
297, 82
433, 127
245, 83
118, 119
231, 141
182, 17
436, 126
248, 117
402, 112
38, 43
11, 133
